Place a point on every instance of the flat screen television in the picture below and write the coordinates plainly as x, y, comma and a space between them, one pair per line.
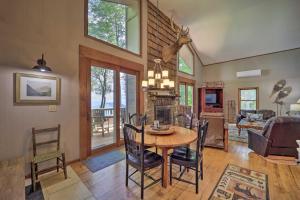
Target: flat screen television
211, 98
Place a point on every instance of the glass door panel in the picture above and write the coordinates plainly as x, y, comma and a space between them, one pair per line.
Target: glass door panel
190, 96
128, 101
182, 94
103, 110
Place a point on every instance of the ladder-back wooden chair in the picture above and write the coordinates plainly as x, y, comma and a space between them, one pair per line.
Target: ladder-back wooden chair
46, 156
190, 158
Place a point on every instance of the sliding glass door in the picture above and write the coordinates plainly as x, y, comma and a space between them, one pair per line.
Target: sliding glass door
128, 103
113, 98
103, 119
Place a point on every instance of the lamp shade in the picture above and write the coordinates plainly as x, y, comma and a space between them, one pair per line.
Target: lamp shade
144, 84
171, 84
295, 107
41, 65
166, 82
165, 73
151, 82
150, 74
157, 76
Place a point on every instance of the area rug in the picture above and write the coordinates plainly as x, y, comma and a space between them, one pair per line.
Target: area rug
99, 162
56, 187
241, 183
233, 134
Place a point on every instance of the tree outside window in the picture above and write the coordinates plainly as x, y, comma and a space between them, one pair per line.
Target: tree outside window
186, 93
186, 60
115, 22
248, 98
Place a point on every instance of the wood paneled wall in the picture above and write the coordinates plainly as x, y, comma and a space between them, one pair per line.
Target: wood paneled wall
160, 34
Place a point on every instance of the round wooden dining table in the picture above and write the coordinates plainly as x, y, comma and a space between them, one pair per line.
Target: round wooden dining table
181, 136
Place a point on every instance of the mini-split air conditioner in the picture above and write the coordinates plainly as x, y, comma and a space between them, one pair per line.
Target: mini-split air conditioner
250, 73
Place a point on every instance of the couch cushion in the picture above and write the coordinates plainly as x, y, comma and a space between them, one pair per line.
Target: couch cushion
267, 114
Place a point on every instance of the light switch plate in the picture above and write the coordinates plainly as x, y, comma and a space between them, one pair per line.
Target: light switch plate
52, 108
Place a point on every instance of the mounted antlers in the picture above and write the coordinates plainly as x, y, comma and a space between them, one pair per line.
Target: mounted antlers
182, 38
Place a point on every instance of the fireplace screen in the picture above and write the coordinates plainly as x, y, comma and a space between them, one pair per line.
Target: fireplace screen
163, 114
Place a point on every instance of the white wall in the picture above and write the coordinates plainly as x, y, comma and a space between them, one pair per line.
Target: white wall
56, 27
277, 66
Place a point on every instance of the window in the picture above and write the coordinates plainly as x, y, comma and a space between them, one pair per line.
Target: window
186, 60
248, 98
186, 92
116, 22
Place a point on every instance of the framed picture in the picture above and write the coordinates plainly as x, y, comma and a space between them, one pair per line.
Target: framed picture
36, 89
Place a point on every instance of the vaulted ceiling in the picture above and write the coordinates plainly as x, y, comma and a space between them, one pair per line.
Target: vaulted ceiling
225, 30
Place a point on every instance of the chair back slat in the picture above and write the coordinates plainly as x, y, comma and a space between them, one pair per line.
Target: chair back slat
134, 142
47, 142
182, 120
46, 130
202, 132
137, 119
36, 132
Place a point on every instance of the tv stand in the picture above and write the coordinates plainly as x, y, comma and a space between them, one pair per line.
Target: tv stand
213, 112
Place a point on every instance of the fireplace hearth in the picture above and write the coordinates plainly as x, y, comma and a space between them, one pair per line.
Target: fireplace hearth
163, 114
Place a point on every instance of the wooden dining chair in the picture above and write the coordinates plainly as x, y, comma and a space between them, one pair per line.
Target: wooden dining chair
136, 119
55, 154
190, 158
139, 158
182, 120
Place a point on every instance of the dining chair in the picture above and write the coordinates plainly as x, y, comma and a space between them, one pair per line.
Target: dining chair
182, 120
190, 158
140, 158
137, 120
39, 142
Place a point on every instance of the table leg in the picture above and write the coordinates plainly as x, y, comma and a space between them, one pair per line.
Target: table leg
165, 175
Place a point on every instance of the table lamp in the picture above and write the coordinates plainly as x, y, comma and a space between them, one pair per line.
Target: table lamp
295, 107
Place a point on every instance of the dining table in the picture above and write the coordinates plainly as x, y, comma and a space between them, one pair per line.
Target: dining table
181, 136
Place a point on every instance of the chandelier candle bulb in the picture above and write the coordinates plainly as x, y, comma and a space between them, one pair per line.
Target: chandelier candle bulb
166, 82
165, 73
171, 84
144, 84
151, 82
150, 74
157, 76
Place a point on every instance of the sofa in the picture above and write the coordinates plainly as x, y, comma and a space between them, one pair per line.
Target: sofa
267, 114
277, 138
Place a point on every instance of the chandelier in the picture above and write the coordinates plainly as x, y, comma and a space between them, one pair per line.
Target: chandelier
157, 78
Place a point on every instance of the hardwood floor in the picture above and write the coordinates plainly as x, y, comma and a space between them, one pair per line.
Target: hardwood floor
109, 183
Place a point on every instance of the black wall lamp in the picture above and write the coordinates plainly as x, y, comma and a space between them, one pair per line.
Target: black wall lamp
41, 65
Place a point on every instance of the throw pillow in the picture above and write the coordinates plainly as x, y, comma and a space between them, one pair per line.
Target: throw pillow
254, 117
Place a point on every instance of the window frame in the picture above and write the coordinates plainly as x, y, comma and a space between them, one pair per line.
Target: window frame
187, 82
248, 88
193, 67
139, 54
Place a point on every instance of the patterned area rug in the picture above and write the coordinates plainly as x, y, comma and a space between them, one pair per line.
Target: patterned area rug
241, 183
233, 134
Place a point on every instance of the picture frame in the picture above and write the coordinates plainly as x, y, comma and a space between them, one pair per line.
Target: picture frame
31, 89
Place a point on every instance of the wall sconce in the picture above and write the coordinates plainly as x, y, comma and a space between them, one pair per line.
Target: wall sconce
41, 65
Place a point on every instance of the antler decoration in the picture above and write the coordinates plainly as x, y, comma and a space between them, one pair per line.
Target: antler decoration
168, 52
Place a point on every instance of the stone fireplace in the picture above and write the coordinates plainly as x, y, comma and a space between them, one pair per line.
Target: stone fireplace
164, 114
161, 107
